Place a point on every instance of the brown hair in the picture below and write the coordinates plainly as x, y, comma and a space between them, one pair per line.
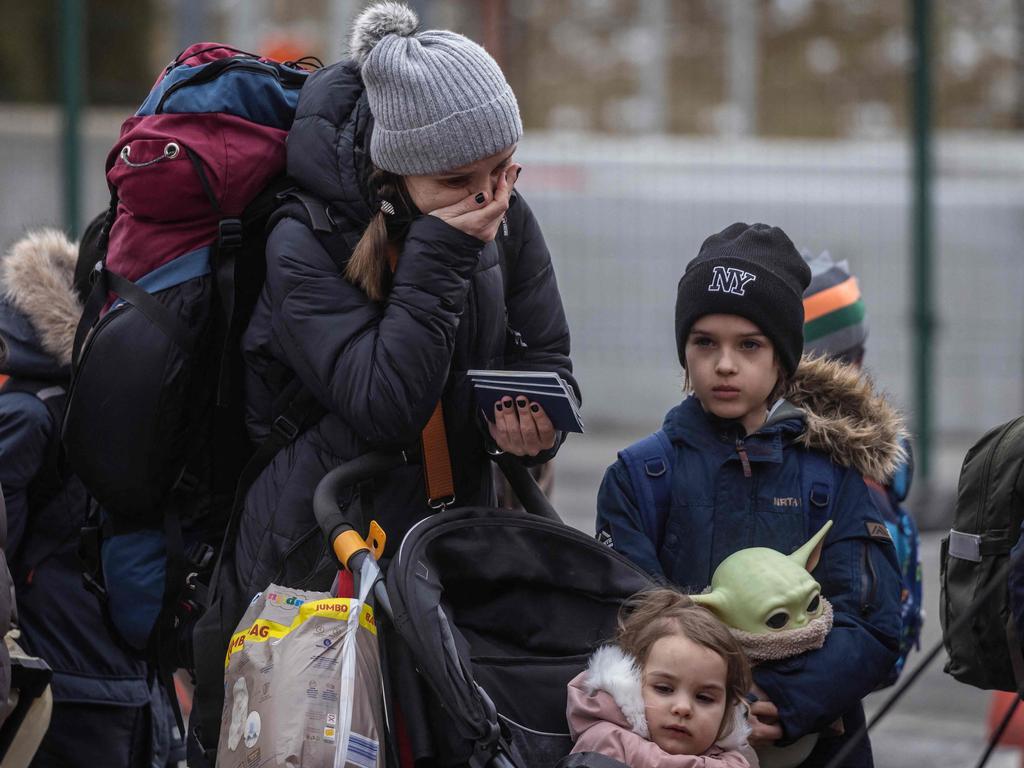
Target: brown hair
649, 616
368, 266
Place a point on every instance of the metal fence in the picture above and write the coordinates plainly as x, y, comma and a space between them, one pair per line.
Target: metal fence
623, 216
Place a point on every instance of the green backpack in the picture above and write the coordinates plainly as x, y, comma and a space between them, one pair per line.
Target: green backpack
975, 559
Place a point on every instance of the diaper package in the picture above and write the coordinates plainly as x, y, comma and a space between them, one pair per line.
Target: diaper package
302, 685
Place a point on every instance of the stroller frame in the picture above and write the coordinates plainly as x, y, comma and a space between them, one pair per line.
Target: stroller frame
491, 747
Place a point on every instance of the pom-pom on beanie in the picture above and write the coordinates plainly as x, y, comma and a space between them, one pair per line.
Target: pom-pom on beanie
439, 101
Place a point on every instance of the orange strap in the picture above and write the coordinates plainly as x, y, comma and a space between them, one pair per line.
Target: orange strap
437, 461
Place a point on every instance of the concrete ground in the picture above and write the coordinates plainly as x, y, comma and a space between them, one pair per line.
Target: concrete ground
939, 723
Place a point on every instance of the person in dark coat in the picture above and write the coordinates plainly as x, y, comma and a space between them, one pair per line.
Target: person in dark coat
407, 149
101, 693
406, 260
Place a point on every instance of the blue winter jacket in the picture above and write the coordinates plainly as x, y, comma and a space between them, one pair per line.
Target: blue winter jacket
719, 507
60, 621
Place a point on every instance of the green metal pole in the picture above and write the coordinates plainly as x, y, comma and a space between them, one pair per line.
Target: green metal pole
924, 320
71, 76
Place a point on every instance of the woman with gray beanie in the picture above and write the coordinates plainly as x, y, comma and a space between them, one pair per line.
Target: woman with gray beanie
405, 260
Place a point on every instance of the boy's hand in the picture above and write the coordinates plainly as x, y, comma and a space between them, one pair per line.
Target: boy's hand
475, 214
763, 720
521, 427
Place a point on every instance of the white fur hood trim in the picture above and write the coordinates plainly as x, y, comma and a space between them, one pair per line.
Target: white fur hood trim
36, 276
617, 673
613, 671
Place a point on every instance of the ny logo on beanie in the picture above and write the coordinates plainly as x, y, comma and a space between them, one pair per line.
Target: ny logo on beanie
730, 280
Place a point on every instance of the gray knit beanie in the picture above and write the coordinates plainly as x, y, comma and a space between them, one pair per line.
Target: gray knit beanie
439, 101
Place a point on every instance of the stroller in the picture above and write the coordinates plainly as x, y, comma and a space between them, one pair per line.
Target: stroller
497, 610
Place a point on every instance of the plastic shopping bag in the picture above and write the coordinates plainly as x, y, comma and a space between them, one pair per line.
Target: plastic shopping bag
302, 684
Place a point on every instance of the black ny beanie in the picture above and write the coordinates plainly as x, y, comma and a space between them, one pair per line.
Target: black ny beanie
751, 270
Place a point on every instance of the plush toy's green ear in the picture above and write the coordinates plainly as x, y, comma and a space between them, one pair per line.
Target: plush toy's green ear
713, 601
809, 554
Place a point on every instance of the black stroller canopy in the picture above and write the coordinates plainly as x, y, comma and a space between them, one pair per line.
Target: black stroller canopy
512, 603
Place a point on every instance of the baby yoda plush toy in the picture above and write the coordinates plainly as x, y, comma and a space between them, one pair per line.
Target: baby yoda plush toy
776, 610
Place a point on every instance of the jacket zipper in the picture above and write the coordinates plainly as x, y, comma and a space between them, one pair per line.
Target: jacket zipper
216, 68
744, 459
868, 582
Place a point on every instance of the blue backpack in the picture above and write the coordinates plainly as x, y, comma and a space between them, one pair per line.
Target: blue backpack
650, 463
903, 530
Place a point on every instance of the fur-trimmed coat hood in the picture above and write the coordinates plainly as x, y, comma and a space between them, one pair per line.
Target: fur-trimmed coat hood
846, 417
606, 710
39, 309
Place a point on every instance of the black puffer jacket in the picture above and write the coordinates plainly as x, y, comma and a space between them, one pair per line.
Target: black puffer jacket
379, 368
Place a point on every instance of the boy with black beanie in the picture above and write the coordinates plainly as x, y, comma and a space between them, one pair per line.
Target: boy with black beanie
763, 450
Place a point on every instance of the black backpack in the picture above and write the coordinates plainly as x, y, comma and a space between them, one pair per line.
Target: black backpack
154, 425
975, 559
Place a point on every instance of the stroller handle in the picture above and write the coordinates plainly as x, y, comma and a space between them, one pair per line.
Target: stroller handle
334, 523
329, 516
530, 495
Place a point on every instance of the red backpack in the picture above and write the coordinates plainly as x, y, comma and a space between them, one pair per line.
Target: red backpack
154, 424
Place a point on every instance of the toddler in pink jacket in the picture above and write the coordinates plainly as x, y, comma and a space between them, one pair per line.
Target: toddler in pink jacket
668, 693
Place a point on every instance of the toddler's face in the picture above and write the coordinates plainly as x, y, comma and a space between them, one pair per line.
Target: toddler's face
684, 695
732, 368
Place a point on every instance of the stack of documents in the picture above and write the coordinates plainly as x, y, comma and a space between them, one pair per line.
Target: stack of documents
547, 389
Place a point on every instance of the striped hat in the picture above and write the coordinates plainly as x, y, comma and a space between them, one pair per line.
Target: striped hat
834, 316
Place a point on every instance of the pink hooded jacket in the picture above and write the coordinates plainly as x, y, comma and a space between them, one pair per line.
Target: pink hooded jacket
606, 715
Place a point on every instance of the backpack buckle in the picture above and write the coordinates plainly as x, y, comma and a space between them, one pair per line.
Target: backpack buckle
95, 586
442, 503
187, 482
655, 467
285, 427
229, 234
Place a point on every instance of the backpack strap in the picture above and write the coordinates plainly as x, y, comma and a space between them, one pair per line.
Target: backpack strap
48, 481
229, 263
317, 215
651, 463
816, 480
52, 476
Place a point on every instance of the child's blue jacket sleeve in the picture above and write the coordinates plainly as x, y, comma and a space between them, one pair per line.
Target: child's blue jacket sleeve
25, 431
859, 575
619, 518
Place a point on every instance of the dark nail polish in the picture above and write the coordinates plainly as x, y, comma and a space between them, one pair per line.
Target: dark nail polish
497, 407
507, 402
535, 408
521, 402
480, 197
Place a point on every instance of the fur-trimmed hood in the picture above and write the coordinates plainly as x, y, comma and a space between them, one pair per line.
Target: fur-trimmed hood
846, 418
610, 690
39, 309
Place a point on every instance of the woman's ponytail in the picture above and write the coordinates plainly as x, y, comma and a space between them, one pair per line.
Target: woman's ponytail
368, 266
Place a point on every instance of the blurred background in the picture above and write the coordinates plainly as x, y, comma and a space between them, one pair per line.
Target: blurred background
890, 133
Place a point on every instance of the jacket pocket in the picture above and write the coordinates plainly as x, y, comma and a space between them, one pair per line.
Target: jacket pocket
779, 524
868, 580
